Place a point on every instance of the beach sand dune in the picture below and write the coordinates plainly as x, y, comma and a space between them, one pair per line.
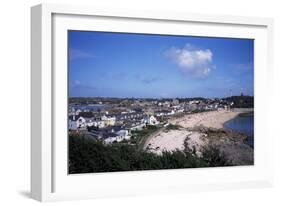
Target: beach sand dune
213, 119
174, 139
168, 141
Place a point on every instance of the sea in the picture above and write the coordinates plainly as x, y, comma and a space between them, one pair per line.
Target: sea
243, 124
93, 107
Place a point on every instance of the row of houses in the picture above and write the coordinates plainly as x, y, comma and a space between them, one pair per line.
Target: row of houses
110, 135
107, 130
77, 122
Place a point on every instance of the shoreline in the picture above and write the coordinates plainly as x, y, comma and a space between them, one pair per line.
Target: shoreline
212, 119
249, 140
174, 139
199, 130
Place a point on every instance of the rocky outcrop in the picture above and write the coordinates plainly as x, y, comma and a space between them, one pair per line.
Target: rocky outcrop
230, 144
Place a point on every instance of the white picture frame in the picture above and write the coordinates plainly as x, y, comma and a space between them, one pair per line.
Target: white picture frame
49, 178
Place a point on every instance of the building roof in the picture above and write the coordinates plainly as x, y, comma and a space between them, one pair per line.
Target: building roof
74, 117
102, 134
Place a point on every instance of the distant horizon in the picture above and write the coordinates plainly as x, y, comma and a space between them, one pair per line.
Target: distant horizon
122, 65
244, 95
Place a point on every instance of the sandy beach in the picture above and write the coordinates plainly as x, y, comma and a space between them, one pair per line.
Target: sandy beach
213, 119
170, 140
174, 140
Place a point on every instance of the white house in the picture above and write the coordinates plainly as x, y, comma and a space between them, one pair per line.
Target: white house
108, 121
89, 121
118, 136
150, 120
171, 112
99, 124
77, 123
176, 101
124, 134
110, 137
137, 126
180, 111
77, 112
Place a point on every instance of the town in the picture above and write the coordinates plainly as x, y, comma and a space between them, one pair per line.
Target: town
114, 119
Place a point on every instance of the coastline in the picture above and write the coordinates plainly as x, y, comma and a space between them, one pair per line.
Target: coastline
212, 119
196, 131
243, 123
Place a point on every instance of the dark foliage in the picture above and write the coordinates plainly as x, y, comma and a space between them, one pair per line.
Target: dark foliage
92, 128
86, 114
173, 127
87, 156
242, 101
214, 157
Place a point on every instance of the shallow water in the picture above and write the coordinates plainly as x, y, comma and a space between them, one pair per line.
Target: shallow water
243, 124
94, 107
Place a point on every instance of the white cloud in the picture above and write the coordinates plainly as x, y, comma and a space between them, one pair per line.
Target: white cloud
191, 61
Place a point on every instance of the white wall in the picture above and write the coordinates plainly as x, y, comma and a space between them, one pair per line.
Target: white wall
15, 94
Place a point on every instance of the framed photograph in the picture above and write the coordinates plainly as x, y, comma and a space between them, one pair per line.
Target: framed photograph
137, 102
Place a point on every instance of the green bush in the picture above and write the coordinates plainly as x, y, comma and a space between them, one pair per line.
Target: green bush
173, 127
214, 157
87, 156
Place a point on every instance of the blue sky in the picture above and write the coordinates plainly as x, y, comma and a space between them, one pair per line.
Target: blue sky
156, 66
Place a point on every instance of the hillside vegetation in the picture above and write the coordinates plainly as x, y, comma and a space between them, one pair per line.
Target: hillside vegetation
87, 156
